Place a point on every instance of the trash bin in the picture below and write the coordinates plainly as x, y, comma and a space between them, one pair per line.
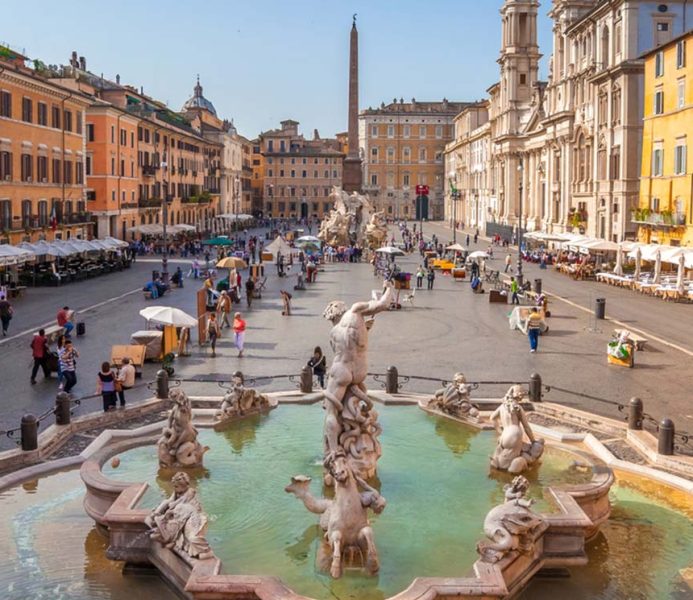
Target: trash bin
600, 308
537, 286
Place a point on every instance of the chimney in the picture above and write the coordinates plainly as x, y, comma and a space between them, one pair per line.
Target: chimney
118, 79
82, 63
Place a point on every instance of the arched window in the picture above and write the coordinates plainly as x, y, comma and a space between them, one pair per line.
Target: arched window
601, 160
605, 58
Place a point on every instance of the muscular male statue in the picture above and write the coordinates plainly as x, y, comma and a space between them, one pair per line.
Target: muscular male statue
349, 342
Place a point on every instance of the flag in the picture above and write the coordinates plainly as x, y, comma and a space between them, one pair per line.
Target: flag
54, 219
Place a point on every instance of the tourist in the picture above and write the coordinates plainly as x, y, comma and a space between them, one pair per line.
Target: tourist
125, 380
249, 290
68, 366
318, 363
60, 343
224, 309
209, 287
533, 328
286, 302
420, 274
514, 289
213, 332
39, 352
467, 240
508, 262
177, 278
106, 386
475, 269
476, 235
239, 326
431, 276
65, 319
6, 313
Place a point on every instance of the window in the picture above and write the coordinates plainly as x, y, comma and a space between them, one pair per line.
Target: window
88, 165
374, 131
27, 167
680, 158
659, 102
113, 134
112, 166
67, 168
681, 93
374, 154
406, 155
659, 64
42, 169
374, 179
657, 162
407, 131
55, 169
123, 137
55, 117
78, 122
681, 54
5, 214
523, 79
67, 120
654, 204
615, 165
139, 134
42, 113
405, 180
439, 131
293, 173
422, 131
390, 131
5, 104
5, 166
90, 132
390, 154
27, 110
146, 136
422, 155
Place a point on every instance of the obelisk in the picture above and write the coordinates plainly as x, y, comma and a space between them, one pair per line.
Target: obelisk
352, 175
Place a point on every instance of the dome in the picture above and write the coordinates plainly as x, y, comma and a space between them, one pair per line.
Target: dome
199, 101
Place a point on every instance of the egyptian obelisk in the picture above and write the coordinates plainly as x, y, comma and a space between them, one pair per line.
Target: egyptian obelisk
352, 175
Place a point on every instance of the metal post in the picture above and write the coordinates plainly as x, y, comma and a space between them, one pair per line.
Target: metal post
306, 380
635, 411
392, 381
535, 387
520, 277
62, 409
29, 429
162, 384
665, 439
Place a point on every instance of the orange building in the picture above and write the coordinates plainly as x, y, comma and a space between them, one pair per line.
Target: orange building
42, 156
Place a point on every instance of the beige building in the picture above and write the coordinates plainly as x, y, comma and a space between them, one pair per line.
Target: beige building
402, 146
298, 174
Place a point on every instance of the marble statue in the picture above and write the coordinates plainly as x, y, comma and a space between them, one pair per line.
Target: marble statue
179, 522
376, 231
178, 445
334, 229
350, 422
348, 539
453, 399
510, 526
512, 453
241, 400
347, 221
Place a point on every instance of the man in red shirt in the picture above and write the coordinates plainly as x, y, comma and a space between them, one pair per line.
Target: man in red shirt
39, 352
64, 318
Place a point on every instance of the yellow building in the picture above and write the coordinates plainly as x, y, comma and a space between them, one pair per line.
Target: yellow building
665, 211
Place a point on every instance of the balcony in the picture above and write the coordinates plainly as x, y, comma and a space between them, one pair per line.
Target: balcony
149, 170
149, 202
128, 205
664, 218
76, 218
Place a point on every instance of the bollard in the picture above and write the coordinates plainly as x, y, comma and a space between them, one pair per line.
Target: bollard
306, 380
665, 440
600, 308
535, 387
162, 384
392, 381
635, 411
62, 409
29, 427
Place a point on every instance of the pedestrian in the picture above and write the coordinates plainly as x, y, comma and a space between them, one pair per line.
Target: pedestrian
318, 363
239, 326
514, 289
475, 269
224, 309
6, 312
106, 386
533, 328
249, 290
431, 278
68, 365
209, 287
420, 273
508, 262
65, 320
213, 332
467, 239
476, 235
39, 352
286, 300
125, 379
60, 343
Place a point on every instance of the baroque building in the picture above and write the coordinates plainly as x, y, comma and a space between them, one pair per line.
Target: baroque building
565, 153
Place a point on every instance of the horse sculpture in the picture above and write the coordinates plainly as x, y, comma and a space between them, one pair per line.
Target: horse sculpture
344, 519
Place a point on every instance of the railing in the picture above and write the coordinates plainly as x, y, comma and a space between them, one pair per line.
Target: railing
149, 202
658, 219
76, 218
149, 170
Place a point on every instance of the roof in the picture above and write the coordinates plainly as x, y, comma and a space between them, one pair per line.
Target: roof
671, 42
417, 108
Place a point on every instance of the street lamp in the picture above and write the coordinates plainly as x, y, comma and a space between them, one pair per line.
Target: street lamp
236, 186
454, 196
164, 259
520, 169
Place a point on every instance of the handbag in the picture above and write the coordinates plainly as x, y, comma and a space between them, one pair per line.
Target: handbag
117, 385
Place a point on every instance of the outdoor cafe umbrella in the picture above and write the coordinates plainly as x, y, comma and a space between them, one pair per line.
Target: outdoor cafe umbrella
638, 256
168, 315
478, 254
681, 275
390, 251
457, 248
218, 241
231, 262
309, 239
657, 267
618, 269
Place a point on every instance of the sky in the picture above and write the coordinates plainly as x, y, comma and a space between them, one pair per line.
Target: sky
263, 61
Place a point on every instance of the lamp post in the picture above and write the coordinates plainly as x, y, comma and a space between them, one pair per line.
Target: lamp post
520, 169
454, 196
236, 182
164, 259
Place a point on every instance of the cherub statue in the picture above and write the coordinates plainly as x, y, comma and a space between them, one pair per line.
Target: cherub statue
179, 522
453, 399
512, 453
240, 400
178, 445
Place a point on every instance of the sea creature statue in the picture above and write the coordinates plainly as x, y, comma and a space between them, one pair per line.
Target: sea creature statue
350, 422
240, 400
510, 526
512, 453
178, 445
376, 230
334, 229
348, 538
453, 399
347, 221
179, 522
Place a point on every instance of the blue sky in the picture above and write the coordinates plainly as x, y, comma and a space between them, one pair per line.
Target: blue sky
263, 61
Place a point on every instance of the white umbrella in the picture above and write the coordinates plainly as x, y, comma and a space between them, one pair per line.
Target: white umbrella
457, 248
115, 242
681, 275
10, 255
478, 254
168, 316
638, 256
657, 267
618, 269
308, 239
391, 251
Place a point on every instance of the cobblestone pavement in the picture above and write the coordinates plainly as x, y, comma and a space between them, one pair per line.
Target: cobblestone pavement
445, 330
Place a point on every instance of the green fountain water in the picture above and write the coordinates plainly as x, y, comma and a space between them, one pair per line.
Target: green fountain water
434, 474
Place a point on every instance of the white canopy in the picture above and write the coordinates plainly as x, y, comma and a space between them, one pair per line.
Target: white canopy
457, 248
478, 254
390, 250
233, 217
600, 246
12, 255
152, 229
115, 243
181, 227
168, 316
279, 245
